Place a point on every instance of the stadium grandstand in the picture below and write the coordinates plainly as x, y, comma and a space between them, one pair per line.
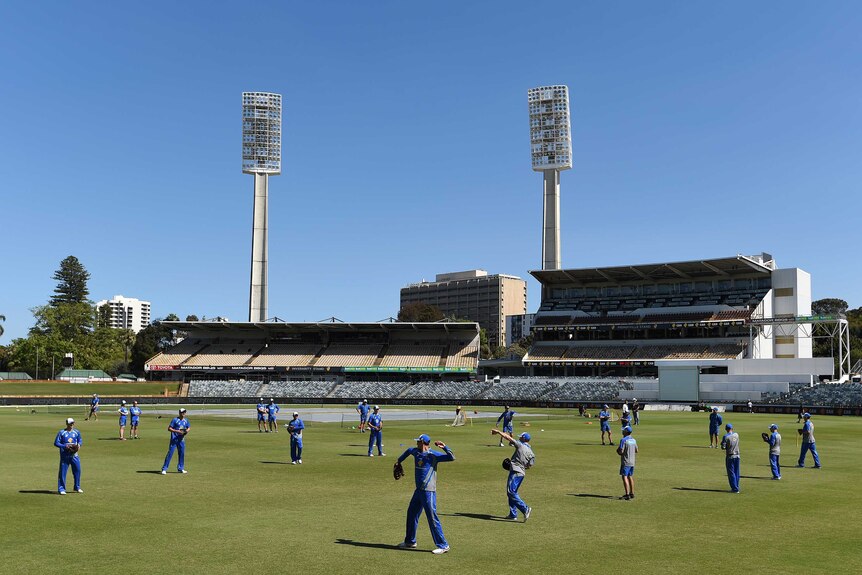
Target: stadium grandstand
737, 323
275, 353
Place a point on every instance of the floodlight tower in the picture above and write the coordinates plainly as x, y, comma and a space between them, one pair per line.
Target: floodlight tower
551, 149
261, 156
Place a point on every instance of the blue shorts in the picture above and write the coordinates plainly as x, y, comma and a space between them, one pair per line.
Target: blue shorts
363, 419
627, 471
272, 418
134, 421
122, 421
713, 431
606, 426
260, 417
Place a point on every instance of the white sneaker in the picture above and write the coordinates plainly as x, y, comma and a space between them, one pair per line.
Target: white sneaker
183, 471
61, 493
370, 455
405, 545
299, 461
79, 490
382, 455
164, 472
527, 513
293, 462
440, 550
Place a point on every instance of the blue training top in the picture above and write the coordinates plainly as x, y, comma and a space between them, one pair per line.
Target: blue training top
426, 466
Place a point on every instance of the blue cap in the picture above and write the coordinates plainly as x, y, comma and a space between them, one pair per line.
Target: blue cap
773, 426
627, 429
605, 406
729, 426
525, 436
806, 415
424, 439
714, 408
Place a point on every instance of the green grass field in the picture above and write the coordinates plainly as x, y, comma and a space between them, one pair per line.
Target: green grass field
242, 508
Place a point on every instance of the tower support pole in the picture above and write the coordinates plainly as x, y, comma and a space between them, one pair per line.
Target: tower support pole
551, 221
257, 301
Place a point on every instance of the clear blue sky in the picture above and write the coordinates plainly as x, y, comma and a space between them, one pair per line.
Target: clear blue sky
700, 129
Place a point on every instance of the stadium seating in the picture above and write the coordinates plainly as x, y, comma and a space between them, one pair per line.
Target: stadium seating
349, 354
178, 353
226, 354
372, 390
308, 389
838, 395
286, 354
445, 390
466, 355
412, 356
208, 388
519, 388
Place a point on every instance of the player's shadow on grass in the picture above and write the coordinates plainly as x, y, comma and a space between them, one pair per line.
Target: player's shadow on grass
593, 495
353, 454
482, 516
150, 471
108, 438
340, 541
276, 462
753, 477
37, 491
594, 444
697, 446
699, 489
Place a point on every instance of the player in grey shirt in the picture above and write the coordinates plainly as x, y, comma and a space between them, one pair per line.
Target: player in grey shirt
522, 460
730, 445
627, 450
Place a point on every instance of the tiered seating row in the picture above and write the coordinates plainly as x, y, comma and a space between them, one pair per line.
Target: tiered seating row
413, 355
288, 355
682, 317
646, 352
445, 390
466, 356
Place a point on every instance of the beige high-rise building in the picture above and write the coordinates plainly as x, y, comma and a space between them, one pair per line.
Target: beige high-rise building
474, 295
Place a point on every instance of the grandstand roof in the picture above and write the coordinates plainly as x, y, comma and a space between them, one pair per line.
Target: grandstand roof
273, 328
728, 267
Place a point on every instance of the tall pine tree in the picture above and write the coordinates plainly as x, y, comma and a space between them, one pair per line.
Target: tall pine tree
71, 283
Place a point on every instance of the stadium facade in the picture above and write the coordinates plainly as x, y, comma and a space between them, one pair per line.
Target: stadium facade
723, 321
473, 295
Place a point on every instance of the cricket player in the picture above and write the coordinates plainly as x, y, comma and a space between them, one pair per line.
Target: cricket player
730, 445
271, 412
375, 424
636, 407
627, 450
135, 412
625, 418
425, 496
807, 433
522, 460
124, 413
774, 442
295, 428
750, 407
506, 416
178, 427
261, 416
69, 441
604, 421
714, 426
94, 409
362, 410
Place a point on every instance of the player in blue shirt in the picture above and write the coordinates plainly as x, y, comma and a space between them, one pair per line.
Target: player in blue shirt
68, 441
124, 412
425, 496
362, 410
271, 411
604, 423
375, 424
179, 427
714, 425
261, 416
295, 428
506, 416
94, 409
135, 412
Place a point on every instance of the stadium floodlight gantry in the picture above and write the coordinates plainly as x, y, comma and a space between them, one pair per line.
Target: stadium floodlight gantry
261, 156
551, 151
